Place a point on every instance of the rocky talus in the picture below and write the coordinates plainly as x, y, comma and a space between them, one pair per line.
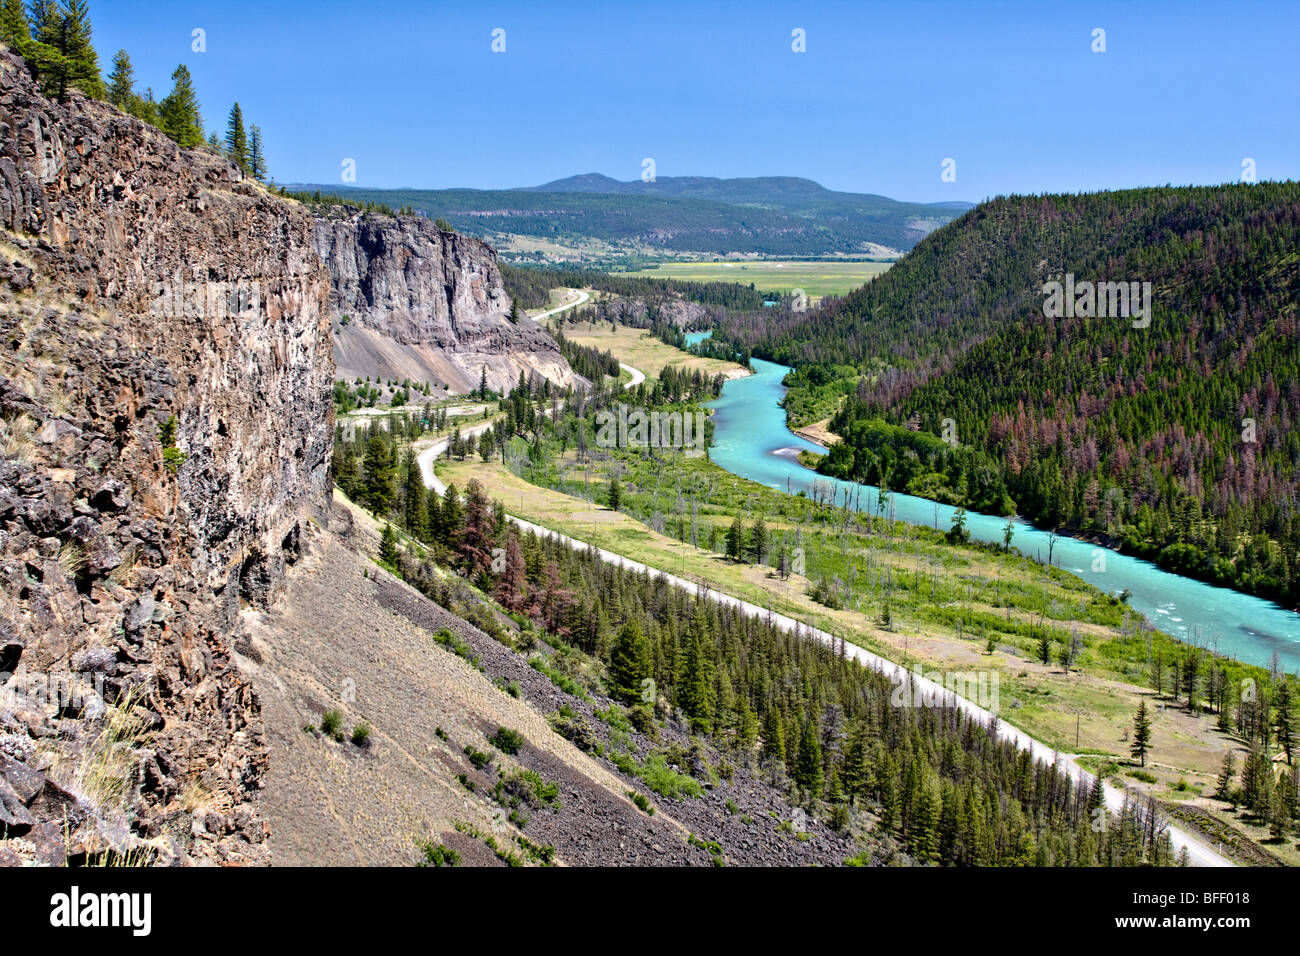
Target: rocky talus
410, 300
165, 417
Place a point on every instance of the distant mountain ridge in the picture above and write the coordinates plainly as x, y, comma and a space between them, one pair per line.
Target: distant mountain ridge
785, 192
593, 217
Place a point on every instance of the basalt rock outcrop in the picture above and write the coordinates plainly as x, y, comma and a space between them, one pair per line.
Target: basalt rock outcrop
166, 423
411, 301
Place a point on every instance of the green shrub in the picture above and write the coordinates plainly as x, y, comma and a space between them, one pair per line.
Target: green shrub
667, 782
478, 758
331, 723
447, 639
435, 854
361, 733
558, 678
506, 740
528, 786
642, 802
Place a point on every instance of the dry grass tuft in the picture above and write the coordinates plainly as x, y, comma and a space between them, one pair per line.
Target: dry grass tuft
104, 776
195, 796
72, 559
16, 438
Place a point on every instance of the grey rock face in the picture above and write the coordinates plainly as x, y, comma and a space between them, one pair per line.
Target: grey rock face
426, 305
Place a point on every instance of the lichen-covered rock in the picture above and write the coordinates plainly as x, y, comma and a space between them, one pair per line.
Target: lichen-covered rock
412, 301
166, 425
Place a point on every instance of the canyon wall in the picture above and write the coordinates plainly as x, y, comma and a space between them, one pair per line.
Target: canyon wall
166, 422
410, 300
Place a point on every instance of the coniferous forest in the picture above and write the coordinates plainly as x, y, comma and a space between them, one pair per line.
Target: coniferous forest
939, 783
1176, 441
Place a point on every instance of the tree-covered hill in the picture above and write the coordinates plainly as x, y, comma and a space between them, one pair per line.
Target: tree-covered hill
775, 216
1178, 440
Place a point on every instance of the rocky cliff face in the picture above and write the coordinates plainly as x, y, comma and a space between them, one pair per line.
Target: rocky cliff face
165, 415
412, 301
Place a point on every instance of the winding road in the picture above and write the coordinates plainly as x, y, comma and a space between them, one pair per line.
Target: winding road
638, 376
581, 297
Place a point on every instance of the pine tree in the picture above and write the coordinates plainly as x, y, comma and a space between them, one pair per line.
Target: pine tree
377, 492
1284, 718
475, 544
615, 496
758, 540
808, 774
82, 60
510, 589
1141, 734
15, 30
343, 465
257, 164
121, 82
415, 511
1096, 795
1279, 811
452, 517
736, 540
146, 108
1223, 783
774, 736
60, 50
237, 138
629, 664
696, 694
388, 545
179, 110
746, 724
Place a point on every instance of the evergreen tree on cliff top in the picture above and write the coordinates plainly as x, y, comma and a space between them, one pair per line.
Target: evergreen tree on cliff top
256, 159
15, 30
237, 138
179, 110
58, 46
121, 82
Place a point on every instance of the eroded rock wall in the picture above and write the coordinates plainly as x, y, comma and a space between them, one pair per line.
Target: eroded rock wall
165, 376
427, 305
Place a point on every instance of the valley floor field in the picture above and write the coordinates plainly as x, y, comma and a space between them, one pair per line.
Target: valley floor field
637, 348
816, 278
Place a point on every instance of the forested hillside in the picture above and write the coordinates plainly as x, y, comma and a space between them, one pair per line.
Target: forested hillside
1176, 441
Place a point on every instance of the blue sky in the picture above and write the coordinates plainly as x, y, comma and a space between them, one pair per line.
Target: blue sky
885, 92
